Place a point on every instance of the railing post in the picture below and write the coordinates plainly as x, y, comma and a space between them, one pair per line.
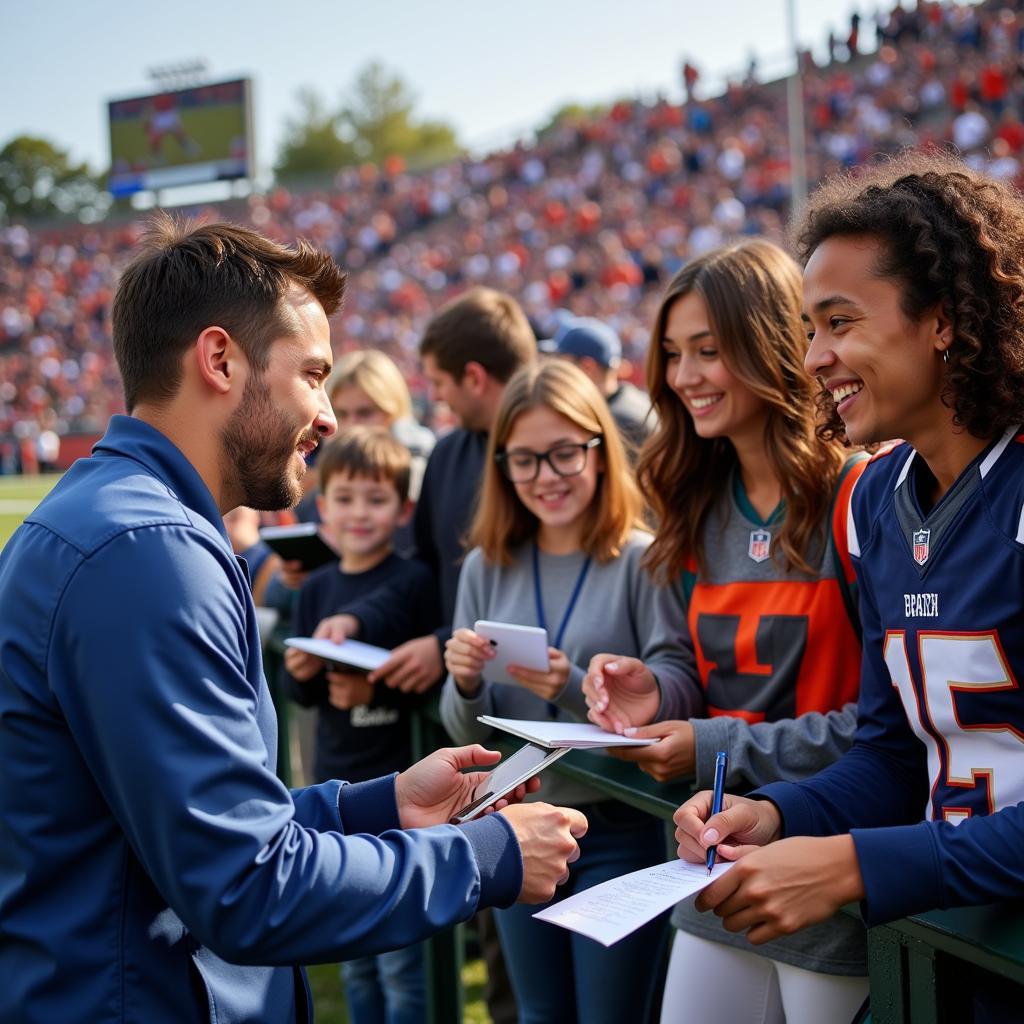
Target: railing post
445, 950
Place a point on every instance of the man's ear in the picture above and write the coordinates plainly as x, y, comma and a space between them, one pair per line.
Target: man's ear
475, 377
218, 359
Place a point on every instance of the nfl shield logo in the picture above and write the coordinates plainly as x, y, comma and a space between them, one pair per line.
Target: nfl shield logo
921, 546
760, 545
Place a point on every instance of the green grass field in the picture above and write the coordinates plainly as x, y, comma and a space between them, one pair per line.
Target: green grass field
18, 496
211, 129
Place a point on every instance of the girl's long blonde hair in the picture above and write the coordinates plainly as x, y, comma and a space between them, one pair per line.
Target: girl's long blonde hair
502, 522
752, 293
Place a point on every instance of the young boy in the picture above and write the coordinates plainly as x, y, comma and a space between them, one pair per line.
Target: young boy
362, 729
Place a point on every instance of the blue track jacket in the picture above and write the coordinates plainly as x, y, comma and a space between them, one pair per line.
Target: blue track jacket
149, 856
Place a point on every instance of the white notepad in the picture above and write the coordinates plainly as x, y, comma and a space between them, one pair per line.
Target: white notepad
581, 735
350, 654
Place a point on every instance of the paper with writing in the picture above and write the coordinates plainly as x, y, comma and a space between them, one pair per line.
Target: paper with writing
614, 909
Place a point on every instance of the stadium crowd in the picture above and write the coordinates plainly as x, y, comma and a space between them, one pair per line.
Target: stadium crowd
591, 217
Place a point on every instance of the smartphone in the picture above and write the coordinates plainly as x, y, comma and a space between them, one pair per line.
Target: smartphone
521, 766
526, 646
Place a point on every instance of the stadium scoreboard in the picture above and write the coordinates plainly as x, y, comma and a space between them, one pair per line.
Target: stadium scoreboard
181, 137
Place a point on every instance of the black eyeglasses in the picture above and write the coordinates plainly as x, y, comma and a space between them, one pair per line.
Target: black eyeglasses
522, 466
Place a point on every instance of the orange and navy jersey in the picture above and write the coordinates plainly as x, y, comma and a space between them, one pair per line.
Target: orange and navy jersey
773, 643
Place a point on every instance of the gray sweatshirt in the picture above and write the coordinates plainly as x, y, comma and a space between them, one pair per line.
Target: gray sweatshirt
618, 610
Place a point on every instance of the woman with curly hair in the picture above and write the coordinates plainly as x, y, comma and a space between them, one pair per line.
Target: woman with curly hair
751, 513
913, 294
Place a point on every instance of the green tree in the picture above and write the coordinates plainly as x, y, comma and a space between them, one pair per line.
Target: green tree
374, 121
38, 179
571, 112
312, 142
380, 119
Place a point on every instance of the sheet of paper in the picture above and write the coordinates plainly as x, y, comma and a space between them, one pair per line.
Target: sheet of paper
562, 734
614, 909
351, 652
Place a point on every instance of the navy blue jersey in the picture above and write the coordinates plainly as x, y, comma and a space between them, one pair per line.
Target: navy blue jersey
938, 760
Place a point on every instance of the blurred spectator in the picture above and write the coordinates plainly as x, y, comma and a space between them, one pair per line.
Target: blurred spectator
593, 216
595, 348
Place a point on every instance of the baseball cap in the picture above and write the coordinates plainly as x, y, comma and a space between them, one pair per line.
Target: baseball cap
587, 336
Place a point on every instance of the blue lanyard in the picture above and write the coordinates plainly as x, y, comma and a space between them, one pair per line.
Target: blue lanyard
538, 597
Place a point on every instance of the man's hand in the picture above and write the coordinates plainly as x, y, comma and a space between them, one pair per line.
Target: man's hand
787, 886
620, 692
302, 665
671, 757
413, 666
346, 690
337, 628
547, 685
434, 789
740, 826
547, 841
465, 655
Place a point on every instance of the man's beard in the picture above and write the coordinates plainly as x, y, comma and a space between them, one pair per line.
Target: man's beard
258, 445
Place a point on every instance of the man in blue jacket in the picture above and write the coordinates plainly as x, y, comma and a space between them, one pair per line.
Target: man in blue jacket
149, 857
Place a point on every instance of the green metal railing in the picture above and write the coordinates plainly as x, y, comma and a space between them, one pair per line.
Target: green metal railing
922, 968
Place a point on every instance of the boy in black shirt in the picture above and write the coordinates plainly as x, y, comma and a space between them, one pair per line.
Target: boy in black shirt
362, 729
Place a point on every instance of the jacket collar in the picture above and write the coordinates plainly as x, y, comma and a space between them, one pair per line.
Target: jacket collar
132, 438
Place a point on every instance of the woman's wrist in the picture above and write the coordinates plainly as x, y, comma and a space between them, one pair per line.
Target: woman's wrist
468, 686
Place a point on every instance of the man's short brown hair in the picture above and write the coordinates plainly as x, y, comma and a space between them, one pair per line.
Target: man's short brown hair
188, 277
367, 452
482, 326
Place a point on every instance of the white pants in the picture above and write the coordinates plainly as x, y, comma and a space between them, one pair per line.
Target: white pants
711, 981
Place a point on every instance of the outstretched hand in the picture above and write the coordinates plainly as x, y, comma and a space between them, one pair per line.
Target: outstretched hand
434, 789
620, 692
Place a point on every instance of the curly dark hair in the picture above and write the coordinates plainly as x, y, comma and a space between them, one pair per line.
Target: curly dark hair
948, 235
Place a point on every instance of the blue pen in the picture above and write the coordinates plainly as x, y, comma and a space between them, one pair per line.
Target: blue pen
721, 764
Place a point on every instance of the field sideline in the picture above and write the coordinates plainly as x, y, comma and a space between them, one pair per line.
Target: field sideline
18, 496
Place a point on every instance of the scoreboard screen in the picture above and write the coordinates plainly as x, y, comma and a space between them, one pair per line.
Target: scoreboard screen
181, 137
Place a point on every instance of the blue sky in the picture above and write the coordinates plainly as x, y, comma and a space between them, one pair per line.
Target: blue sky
492, 75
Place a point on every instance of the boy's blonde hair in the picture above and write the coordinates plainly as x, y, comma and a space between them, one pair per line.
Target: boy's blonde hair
367, 452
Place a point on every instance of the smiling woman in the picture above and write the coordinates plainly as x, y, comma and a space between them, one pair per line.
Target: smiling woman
751, 513
914, 292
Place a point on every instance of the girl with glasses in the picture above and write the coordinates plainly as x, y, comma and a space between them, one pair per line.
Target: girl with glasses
751, 512
556, 543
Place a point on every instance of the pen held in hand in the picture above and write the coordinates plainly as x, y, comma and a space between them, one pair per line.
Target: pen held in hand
721, 764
